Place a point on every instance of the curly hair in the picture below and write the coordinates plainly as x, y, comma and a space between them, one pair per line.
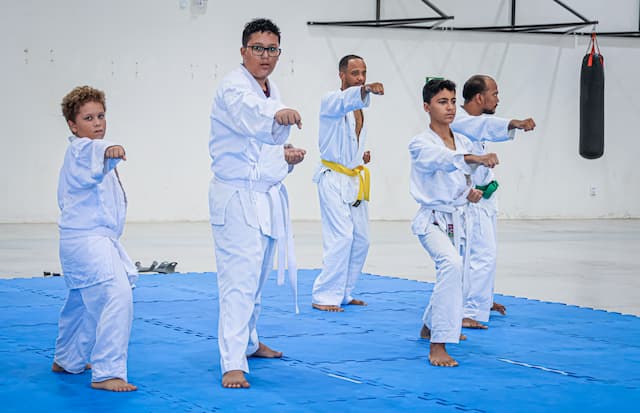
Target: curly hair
80, 95
259, 25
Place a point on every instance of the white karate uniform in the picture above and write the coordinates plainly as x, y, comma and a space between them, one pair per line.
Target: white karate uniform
479, 284
440, 184
249, 208
345, 228
95, 322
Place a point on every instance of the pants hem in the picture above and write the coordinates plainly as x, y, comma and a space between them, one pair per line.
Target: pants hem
235, 366
445, 337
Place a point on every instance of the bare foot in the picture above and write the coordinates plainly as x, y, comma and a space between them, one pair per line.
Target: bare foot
438, 356
499, 308
330, 308
264, 352
56, 368
117, 385
426, 334
471, 323
234, 379
355, 301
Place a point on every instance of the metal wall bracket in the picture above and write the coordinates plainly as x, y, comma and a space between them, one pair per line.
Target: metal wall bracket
431, 23
413, 23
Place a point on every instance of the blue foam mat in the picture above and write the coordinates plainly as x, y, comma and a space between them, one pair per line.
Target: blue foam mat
541, 357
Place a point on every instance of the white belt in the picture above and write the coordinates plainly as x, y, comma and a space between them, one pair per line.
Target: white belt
280, 228
457, 213
284, 235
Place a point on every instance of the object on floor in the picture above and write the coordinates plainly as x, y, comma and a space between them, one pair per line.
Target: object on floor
150, 268
166, 267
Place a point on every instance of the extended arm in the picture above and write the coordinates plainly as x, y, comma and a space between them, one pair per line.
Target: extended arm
92, 160
483, 128
429, 158
525, 124
267, 120
338, 104
376, 88
490, 160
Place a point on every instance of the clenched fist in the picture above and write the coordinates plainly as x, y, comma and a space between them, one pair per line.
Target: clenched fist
293, 155
115, 152
475, 195
288, 117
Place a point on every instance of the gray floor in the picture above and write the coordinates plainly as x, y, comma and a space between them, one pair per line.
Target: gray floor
589, 263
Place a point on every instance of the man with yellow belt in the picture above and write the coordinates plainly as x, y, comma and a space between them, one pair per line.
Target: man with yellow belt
343, 186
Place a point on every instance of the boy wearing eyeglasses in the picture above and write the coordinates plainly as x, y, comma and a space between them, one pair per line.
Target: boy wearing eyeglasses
248, 203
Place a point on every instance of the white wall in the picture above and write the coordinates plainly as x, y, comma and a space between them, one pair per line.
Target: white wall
159, 67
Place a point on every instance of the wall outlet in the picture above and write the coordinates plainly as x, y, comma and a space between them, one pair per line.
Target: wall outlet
593, 191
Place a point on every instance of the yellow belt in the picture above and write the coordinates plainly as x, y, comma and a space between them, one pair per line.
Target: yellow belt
365, 182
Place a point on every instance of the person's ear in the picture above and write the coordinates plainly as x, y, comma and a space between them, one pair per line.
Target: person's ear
72, 126
426, 107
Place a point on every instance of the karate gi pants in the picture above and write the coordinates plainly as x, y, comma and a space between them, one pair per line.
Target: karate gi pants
244, 257
479, 282
95, 325
443, 315
345, 244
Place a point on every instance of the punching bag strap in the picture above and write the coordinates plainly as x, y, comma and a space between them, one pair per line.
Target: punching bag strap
593, 45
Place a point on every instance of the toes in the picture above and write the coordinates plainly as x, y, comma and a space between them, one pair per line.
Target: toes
444, 363
499, 308
471, 323
329, 308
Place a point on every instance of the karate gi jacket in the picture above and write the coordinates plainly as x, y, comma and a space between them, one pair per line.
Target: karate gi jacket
246, 147
93, 208
338, 141
440, 181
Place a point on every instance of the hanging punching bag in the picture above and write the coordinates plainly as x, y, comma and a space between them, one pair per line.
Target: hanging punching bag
592, 103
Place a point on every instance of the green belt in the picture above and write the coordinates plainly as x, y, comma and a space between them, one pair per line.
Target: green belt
488, 189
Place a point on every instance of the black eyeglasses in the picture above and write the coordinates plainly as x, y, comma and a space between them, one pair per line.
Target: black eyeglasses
258, 50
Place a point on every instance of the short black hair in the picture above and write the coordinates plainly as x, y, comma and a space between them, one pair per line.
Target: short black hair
434, 86
344, 62
259, 25
474, 85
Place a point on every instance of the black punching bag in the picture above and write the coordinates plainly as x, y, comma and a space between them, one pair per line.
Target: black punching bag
592, 103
